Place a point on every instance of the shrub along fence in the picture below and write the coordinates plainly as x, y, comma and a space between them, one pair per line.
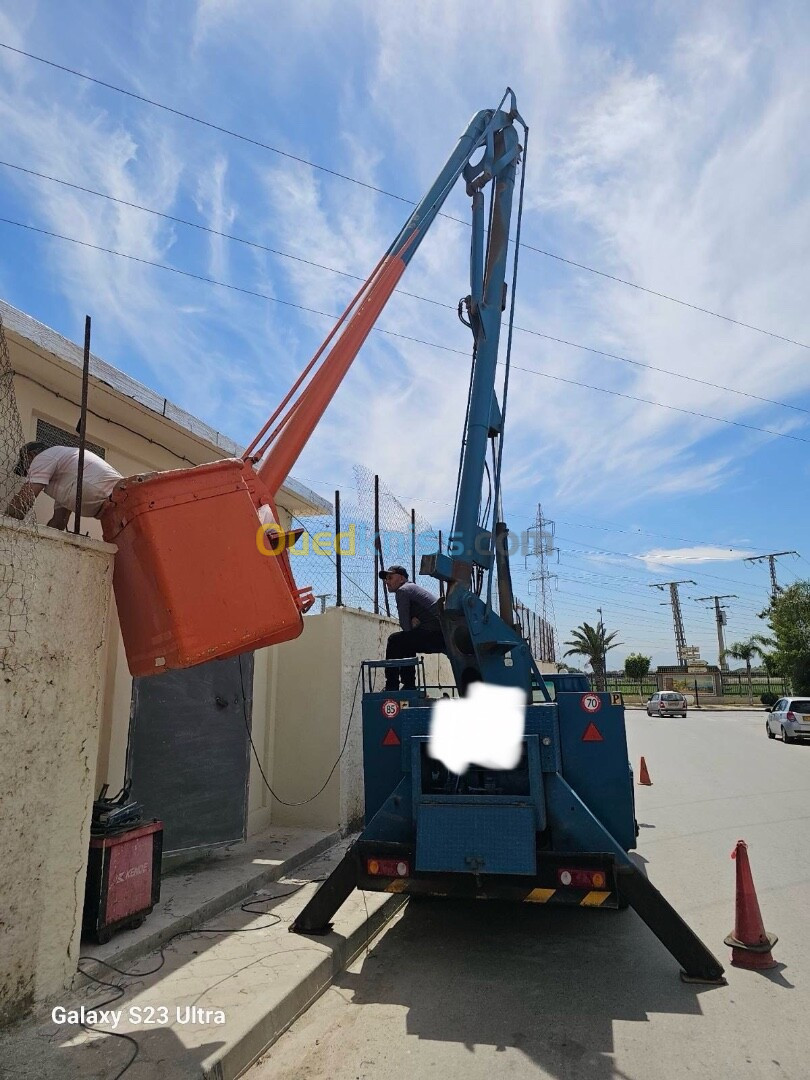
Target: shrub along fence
733, 684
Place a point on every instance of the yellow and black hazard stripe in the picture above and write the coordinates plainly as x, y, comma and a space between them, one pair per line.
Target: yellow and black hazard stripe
574, 897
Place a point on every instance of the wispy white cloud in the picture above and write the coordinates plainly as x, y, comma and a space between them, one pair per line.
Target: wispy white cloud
692, 555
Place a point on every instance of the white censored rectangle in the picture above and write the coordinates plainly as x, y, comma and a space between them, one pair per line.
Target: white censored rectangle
486, 728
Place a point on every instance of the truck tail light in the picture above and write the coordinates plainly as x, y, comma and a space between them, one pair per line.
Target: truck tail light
388, 868
582, 879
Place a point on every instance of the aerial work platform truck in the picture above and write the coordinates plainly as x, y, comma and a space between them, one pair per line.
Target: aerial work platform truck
558, 826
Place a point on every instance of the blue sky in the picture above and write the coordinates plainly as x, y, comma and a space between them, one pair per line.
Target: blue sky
667, 148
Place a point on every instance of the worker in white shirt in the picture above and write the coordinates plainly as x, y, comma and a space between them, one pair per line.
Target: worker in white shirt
55, 470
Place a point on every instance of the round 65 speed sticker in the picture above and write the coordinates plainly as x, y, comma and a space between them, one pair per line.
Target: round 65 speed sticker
390, 708
591, 703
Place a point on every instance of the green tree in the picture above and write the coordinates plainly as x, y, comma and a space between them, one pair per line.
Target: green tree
746, 650
593, 643
771, 660
637, 667
789, 616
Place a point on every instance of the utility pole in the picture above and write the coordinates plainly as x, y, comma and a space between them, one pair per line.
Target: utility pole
677, 618
542, 533
720, 617
775, 588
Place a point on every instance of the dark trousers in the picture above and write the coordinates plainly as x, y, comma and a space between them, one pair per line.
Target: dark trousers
409, 643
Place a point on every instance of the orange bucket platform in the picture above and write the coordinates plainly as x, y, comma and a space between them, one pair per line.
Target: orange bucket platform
194, 576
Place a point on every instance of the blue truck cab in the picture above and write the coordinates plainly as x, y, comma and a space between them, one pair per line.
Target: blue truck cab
569, 682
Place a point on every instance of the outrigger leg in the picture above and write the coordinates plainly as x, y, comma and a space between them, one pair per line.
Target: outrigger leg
316, 916
572, 823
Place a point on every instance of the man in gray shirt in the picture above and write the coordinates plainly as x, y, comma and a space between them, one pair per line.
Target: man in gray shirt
421, 631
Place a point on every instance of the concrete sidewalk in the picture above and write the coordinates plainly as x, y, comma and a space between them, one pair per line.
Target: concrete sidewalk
196, 891
224, 992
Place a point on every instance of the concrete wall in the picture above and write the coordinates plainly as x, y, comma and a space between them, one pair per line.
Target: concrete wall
140, 432
51, 699
317, 677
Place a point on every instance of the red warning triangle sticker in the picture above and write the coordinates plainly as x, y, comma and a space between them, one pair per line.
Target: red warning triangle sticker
392, 739
592, 733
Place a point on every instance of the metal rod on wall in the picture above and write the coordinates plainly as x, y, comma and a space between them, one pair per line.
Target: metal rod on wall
77, 515
338, 563
413, 544
376, 544
441, 583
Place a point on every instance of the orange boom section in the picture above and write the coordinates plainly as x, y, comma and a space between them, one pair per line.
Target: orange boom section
195, 579
191, 582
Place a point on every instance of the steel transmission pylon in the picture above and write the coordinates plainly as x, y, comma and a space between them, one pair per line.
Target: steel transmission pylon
677, 618
775, 587
542, 549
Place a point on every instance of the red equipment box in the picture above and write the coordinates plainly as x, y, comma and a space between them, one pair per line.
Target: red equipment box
123, 880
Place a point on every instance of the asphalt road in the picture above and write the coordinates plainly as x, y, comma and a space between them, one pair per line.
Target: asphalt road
478, 990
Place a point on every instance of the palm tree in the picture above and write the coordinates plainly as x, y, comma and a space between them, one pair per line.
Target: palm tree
746, 650
593, 643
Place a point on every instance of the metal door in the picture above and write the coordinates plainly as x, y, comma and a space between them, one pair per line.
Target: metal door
189, 752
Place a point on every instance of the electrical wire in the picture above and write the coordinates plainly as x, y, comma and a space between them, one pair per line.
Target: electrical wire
403, 337
661, 405
628, 555
300, 802
389, 194
404, 292
509, 338
99, 416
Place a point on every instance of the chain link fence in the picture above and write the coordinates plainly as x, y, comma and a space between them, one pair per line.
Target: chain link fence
16, 538
339, 558
338, 555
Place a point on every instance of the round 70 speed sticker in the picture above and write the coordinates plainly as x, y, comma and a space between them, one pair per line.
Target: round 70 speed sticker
390, 708
591, 703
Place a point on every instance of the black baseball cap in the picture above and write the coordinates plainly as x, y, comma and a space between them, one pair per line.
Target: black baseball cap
31, 449
392, 570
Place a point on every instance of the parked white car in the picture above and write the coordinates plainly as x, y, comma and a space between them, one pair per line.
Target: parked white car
667, 703
790, 718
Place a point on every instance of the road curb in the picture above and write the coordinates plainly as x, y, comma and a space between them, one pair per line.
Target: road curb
234, 1059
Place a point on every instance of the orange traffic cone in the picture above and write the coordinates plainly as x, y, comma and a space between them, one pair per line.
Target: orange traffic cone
750, 942
643, 775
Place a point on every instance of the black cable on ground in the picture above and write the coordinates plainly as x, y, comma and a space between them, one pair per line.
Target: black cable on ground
121, 991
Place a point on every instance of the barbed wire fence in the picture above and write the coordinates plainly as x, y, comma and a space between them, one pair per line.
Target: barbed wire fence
16, 536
